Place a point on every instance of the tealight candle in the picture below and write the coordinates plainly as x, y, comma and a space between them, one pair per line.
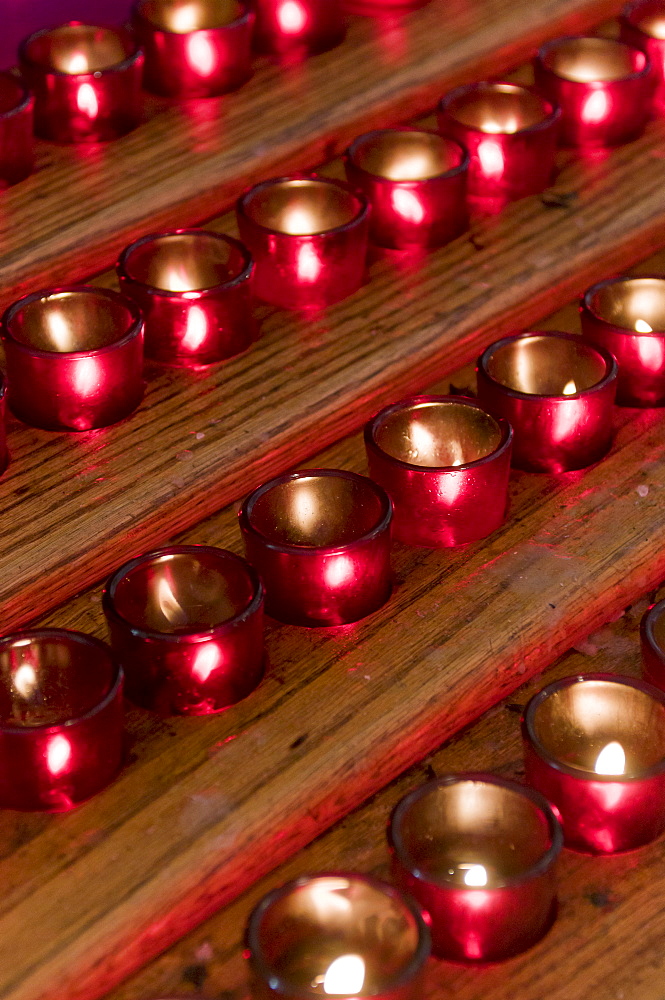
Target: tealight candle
186, 624
308, 237
301, 26
595, 747
194, 48
74, 357
626, 316
604, 88
61, 719
557, 392
415, 182
643, 27
652, 634
477, 852
337, 934
86, 81
445, 464
194, 290
16, 125
320, 540
511, 134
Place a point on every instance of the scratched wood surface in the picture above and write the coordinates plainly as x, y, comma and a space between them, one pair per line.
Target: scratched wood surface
204, 808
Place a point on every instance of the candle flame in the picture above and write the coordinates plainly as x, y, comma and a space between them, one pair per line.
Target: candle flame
408, 205
25, 680
86, 100
77, 64
184, 19
60, 331
595, 108
413, 167
169, 605
345, 976
475, 875
58, 754
641, 326
291, 17
299, 222
509, 126
491, 158
569, 388
611, 759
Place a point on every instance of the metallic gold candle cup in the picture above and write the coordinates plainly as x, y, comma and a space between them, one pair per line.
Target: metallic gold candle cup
320, 540
477, 852
61, 719
643, 27
595, 747
194, 290
337, 934
308, 237
511, 134
652, 636
194, 48
445, 463
603, 87
74, 357
16, 127
186, 624
626, 316
557, 391
86, 80
415, 182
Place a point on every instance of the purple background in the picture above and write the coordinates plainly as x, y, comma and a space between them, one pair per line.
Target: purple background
19, 17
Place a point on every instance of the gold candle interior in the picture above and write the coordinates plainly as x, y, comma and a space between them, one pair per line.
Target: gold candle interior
70, 321
633, 304
184, 263
79, 48
591, 59
181, 593
547, 366
576, 723
472, 833
47, 681
498, 108
317, 511
438, 434
406, 156
183, 16
11, 93
341, 929
301, 207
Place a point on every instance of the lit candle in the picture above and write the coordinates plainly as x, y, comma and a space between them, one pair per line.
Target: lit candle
349, 936
445, 464
320, 540
643, 27
603, 87
61, 719
415, 182
194, 48
626, 316
595, 746
556, 390
186, 624
477, 852
298, 26
16, 126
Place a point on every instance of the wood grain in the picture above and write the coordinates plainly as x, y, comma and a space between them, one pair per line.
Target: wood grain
206, 807
189, 161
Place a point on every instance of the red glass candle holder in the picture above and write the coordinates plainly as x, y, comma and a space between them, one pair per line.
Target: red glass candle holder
595, 747
61, 719
445, 464
194, 290
477, 852
308, 237
511, 134
320, 540
415, 182
16, 126
557, 392
186, 624
603, 87
302, 26
194, 48
643, 27
339, 934
626, 316
652, 635
74, 357
86, 80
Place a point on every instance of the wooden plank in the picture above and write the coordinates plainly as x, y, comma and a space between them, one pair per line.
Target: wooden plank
607, 939
75, 505
206, 807
188, 161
